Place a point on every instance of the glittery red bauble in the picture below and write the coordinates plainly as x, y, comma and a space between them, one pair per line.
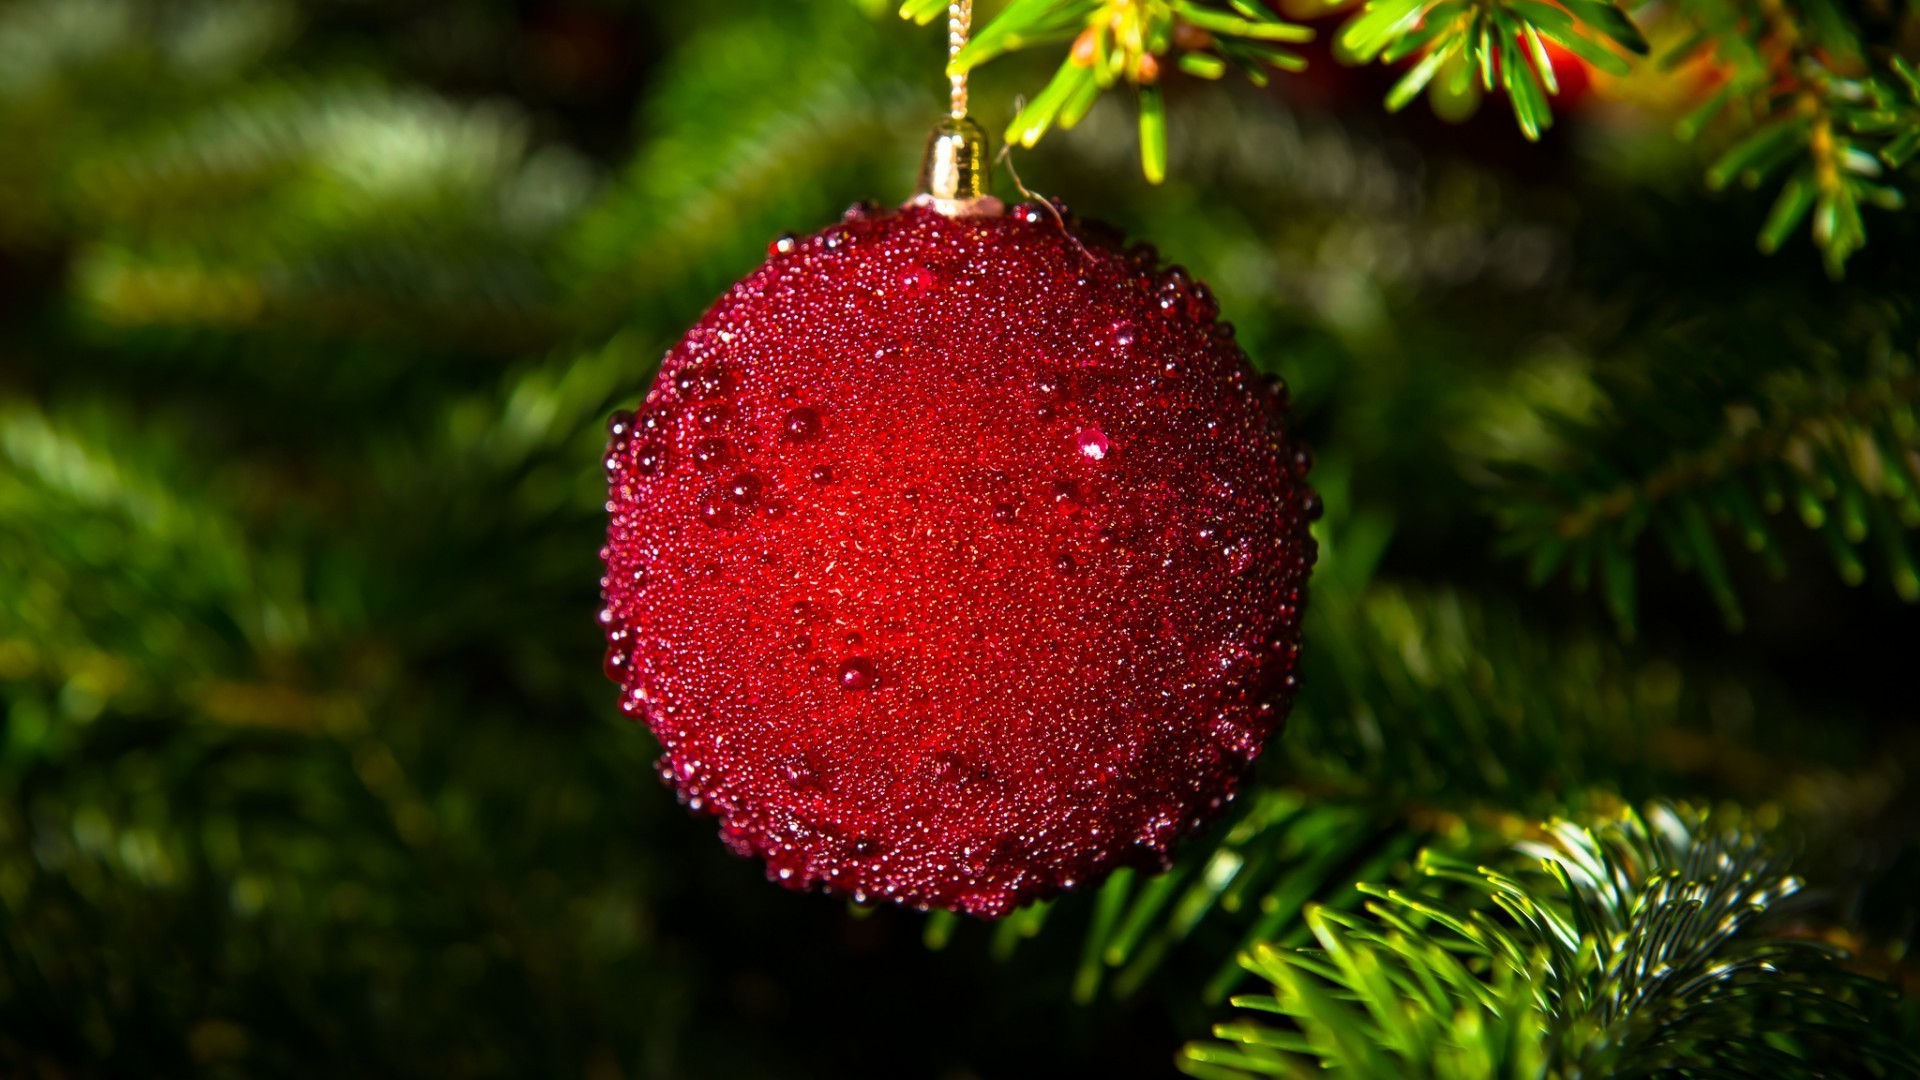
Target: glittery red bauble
957, 560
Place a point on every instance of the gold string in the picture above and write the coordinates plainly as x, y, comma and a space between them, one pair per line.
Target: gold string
959, 25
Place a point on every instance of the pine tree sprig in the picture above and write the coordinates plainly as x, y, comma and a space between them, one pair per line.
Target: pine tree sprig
1130, 41
1838, 449
1467, 47
1813, 108
1650, 943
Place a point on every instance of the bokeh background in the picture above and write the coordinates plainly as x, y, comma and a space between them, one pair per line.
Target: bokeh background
311, 314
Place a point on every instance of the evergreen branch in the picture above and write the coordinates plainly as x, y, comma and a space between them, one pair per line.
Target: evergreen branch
1813, 108
89, 489
1456, 701
1248, 881
1651, 944
1131, 41
1494, 43
1840, 450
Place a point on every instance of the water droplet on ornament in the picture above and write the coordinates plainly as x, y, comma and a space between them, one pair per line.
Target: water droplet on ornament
1065, 496
1239, 558
710, 454
606, 616
1302, 460
616, 665
744, 488
783, 244
1121, 335
912, 496
1311, 506
1204, 305
1029, 213
801, 424
917, 281
713, 415
803, 773
954, 767
650, 459
620, 424
717, 510
821, 474
714, 381
635, 704
1276, 389
861, 210
773, 510
857, 673
1093, 443
1064, 563
834, 239
1003, 512
851, 638
800, 644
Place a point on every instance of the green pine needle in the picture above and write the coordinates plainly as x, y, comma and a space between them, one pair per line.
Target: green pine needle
1648, 945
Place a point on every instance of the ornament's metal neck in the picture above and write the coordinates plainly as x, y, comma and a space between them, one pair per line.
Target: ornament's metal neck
957, 171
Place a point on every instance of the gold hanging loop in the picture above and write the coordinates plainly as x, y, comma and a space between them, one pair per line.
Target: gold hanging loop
957, 172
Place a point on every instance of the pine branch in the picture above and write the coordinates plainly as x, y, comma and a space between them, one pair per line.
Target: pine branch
1808, 97
1466, 47
1131, 41
159, 560
1248, 882
1463, 47
1647, 945
1801, 91
190, 189
1695, 440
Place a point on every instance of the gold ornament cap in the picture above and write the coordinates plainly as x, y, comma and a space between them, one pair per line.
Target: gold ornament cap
958, 171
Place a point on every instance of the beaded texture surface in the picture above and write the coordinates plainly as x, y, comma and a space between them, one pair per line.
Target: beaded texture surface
957, 561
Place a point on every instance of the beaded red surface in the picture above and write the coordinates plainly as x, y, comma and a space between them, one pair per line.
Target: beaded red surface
957, 561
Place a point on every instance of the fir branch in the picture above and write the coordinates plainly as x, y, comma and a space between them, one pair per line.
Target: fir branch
1811, 107
1131, 41
1467, 47
1650, 944
1837, 447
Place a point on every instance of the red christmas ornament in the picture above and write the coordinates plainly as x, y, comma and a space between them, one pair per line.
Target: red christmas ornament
957, 557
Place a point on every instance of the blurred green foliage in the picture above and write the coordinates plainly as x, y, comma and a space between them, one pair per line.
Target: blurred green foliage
310, 314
